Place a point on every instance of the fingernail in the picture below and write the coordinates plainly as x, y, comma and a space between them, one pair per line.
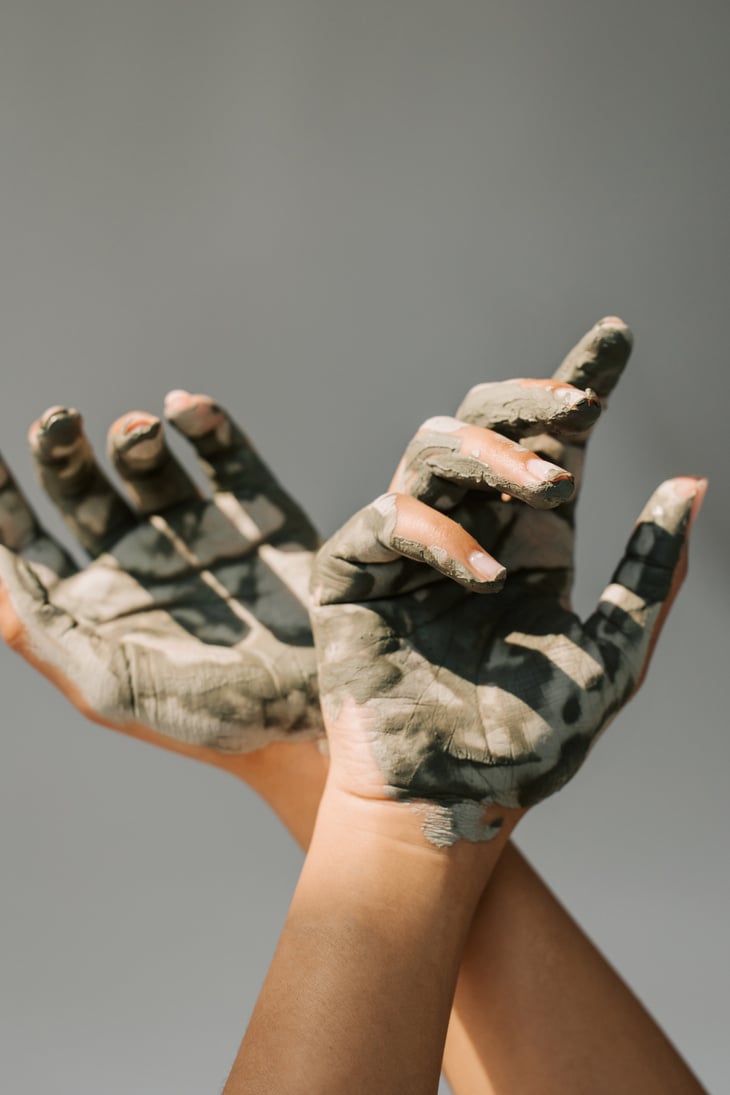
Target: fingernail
485, 567
142, 421
176, 401
611, 321
58, 426
546, 473
137, 437
195, 415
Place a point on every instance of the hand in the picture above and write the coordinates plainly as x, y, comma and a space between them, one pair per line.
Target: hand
189, 627
450, 701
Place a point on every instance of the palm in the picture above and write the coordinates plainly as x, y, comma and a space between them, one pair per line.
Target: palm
465, 700
492, 698
192, 621
215, 642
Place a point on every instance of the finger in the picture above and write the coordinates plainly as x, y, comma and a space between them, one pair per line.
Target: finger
371, 555
598, 360
93, 674
446, 458
227, 455
244, 487
119, 683
633, 608
73, 480
595, 363
21, 532
521, 407
154, 479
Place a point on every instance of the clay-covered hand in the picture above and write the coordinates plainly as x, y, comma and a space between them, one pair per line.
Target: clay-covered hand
451, 701
191, 619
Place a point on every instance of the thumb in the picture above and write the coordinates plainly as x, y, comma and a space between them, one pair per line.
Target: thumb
24, 605
633, 607
59, 646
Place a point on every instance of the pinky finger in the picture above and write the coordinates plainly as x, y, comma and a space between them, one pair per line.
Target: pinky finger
21, 532
634, 606
368, 557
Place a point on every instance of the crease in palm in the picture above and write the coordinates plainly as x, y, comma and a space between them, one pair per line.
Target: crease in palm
191, 618
467, 701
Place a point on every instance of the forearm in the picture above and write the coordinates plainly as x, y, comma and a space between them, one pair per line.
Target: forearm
537, 1007
358, 995
540, 1011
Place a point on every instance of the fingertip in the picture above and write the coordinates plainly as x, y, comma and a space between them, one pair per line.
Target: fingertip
689, 486
551, 485
136, 437
577, 397
694, 489
683, 492
57, 427
32, 434
130, 421
176, 399
611, 339
490, 573
194, 415
613, 329
613, 321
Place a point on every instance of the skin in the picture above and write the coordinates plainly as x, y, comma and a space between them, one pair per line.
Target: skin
557, 1019
289, 774
467, 700
464, 701
358, 994
192, 612
428, 713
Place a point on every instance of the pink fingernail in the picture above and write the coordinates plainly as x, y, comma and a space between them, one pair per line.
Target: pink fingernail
138, 421
177, 400
485, 567
546, 473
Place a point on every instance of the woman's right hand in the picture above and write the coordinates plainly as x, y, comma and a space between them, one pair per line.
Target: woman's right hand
457, 688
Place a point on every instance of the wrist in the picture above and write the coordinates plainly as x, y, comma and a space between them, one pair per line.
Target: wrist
375, 933
388, 838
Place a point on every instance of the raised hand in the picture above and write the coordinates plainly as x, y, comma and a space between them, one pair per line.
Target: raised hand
450, 701
189, 627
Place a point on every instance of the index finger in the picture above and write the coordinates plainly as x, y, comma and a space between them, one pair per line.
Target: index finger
599, 358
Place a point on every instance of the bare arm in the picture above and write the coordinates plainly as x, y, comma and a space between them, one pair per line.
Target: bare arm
358, 995
538, 1009
289, 774
464, 708
359, 991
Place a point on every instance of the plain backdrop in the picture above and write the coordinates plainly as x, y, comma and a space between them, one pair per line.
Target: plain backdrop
336, 216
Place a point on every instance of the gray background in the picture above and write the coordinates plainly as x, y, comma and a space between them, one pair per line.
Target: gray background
336, 217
